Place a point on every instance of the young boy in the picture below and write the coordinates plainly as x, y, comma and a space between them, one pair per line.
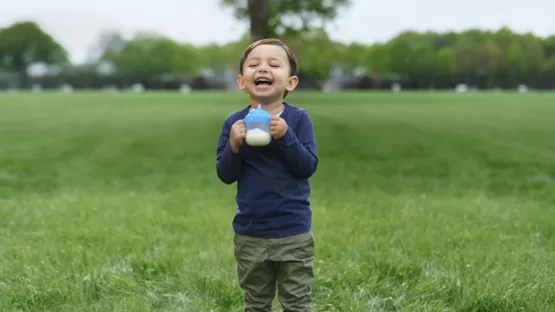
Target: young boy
273, 239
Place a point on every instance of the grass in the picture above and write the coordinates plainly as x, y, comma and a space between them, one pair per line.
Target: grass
422, 202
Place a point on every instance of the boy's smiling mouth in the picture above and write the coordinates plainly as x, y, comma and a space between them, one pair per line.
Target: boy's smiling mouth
263, 82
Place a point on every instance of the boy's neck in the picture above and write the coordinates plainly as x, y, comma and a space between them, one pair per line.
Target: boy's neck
273, 108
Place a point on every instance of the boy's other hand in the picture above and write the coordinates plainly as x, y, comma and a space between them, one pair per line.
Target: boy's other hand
278, 127
237, 133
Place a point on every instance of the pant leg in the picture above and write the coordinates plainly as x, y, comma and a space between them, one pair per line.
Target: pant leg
255, 273
293, 259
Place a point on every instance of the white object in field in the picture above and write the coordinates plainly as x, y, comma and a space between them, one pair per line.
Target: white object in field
185, 88
105, 68
258, 137
461, 88
522, 88
138, 88
66, 88
36, 88
396, 87
110, 89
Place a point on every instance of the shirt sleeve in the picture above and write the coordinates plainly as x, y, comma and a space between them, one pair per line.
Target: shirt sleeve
228, 163
299, 148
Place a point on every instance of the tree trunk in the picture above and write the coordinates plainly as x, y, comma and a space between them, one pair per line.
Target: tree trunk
259, 11
23, 79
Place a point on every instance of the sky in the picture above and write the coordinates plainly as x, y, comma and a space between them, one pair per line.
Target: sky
76, 24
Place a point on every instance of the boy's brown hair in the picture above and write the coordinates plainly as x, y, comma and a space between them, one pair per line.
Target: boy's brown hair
290, 55
293, 66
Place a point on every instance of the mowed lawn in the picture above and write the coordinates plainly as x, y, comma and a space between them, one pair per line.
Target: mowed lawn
422, 202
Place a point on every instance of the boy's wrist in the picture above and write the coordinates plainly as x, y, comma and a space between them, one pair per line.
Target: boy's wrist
287, 139
235, 149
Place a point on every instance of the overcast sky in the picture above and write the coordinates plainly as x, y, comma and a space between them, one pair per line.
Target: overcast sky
76, 24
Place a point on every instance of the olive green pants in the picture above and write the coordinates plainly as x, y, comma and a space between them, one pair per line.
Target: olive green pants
264, 262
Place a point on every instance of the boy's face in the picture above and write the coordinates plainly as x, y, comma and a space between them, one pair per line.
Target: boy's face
266, 74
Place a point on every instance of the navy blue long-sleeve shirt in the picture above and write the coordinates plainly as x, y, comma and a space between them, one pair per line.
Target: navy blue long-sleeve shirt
272, 181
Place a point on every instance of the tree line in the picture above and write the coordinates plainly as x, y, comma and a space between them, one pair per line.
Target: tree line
482, 58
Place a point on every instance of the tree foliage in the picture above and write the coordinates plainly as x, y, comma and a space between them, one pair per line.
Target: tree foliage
278, 18
485, 59
25, 43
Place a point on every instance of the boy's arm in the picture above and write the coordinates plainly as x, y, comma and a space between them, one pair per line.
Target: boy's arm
300, 150
228, 163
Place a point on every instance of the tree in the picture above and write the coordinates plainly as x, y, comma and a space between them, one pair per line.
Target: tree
549, 46
316, 53
150, 54
284, 17
2, 56
491, 54
412, 57
534, 57
484, 59
548, 72
25, 43
516, 62
465, 54
216, 58
378, 60
446, 65
107, 46
353, 56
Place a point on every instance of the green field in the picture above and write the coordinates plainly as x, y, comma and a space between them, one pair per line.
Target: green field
422, 202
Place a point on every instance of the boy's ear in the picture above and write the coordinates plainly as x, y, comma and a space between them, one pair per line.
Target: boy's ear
292, 83
241, 82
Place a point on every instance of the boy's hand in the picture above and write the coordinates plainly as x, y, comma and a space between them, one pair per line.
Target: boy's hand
278, 127
237, 133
